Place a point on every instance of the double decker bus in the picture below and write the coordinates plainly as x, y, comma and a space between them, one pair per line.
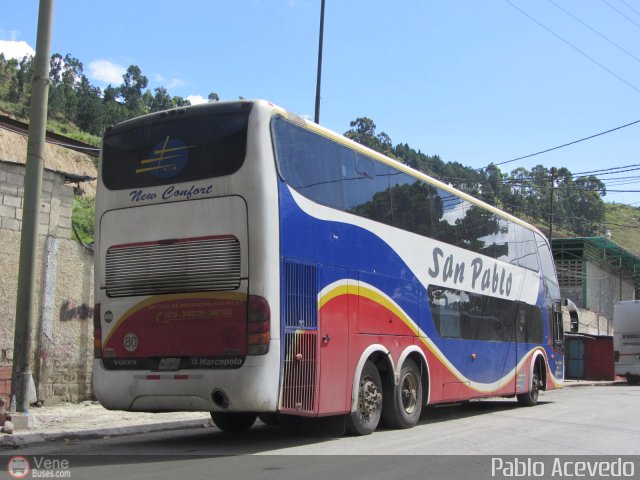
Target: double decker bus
251, 262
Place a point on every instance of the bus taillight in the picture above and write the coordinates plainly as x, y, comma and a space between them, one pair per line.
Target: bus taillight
97, 332
259, 326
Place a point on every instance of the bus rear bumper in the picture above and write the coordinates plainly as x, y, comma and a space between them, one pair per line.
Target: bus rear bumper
250, 388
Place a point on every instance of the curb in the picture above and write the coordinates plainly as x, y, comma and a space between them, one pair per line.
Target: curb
20, 440
594, 383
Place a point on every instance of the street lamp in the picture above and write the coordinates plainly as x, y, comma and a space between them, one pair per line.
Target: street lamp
317, 114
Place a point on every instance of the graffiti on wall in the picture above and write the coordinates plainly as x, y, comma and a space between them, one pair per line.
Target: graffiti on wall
69, 311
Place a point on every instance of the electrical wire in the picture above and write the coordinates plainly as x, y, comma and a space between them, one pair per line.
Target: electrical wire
593, 60
618, 170
566, 144
622, 14
594, 30
630, 7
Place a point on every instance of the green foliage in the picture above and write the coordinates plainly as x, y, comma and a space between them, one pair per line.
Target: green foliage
578, 205
84, 210
75, 103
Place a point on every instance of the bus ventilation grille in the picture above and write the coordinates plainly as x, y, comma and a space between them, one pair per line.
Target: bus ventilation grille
300, 295
299, 377
189, 265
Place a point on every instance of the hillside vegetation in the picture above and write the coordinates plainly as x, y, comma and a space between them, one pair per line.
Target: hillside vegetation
82, 111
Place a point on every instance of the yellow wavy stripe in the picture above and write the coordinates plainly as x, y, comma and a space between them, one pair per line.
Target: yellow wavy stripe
174, 296
389, 304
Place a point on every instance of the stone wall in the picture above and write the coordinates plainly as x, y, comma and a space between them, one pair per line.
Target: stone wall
62, 334
56, 201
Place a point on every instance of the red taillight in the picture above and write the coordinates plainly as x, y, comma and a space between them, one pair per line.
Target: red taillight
97, 332
259, 326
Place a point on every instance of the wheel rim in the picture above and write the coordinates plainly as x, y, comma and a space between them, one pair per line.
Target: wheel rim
370, 399
409, 393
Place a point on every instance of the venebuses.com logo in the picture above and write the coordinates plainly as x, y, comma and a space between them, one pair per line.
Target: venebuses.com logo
38, 467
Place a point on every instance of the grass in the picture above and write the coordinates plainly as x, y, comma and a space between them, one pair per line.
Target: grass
624, 223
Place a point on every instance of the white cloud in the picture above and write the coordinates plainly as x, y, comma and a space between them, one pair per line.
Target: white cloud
166, 83
106, 72
16, 49
196, 99
176, 82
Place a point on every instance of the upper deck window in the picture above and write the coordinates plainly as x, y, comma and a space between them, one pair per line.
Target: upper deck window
163, 149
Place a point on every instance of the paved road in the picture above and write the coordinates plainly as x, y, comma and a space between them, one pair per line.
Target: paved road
584, 421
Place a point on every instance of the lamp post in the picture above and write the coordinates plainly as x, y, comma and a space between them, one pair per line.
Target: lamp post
319, 78
21, 374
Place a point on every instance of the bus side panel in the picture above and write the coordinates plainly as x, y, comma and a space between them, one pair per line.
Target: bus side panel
335, 317
388, 297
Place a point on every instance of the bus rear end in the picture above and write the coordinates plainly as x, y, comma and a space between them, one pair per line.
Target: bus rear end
184, 317
626, 340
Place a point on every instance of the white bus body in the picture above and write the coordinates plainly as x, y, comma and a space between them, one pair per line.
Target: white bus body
626, 339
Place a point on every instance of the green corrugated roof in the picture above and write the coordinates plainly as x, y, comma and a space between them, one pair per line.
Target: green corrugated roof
607, 251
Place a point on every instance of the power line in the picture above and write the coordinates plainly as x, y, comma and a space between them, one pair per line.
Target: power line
567, 144
625, 16
574, 47
610, 170
594, 31
630, 7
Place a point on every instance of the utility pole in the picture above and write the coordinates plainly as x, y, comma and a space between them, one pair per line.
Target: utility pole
21, 374
553, 172
317, 114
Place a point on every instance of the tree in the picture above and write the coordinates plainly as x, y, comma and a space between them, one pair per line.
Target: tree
131, 89
161, 100
71, 76
114, 111
56, 94
90, 114
213, 97
363, 131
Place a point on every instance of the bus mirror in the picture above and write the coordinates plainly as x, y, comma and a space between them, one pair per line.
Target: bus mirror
558, 327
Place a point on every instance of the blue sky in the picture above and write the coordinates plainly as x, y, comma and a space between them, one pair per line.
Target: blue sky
472, 81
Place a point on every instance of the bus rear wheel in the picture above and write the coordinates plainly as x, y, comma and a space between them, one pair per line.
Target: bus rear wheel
403, 402
233, 421
364, 420
530, 398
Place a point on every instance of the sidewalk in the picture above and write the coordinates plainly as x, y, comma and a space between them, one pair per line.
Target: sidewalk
89, 420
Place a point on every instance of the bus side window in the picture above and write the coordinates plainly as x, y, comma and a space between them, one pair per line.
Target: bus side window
526, 248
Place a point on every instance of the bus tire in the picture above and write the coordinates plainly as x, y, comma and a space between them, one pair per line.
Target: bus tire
403, 402
530, 398
364, 420
233, 421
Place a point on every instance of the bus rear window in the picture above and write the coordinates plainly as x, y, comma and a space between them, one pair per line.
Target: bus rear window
159, 150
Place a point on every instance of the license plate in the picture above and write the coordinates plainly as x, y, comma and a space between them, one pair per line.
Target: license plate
170, 363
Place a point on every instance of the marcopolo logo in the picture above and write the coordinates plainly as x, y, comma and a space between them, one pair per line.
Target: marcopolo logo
167, 159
